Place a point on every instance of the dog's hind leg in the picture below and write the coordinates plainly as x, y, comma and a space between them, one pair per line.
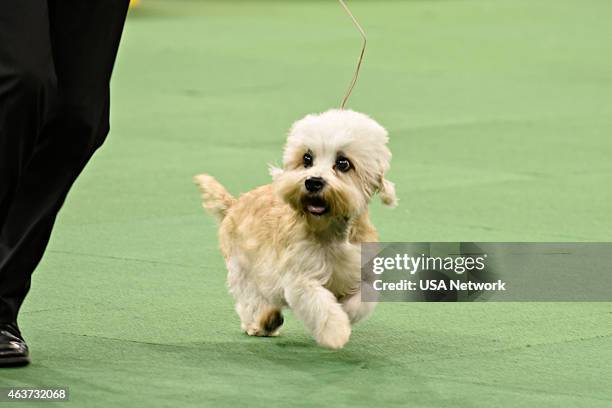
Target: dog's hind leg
270, 320
259, 318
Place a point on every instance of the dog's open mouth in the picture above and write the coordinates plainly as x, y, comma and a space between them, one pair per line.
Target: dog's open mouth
315, 205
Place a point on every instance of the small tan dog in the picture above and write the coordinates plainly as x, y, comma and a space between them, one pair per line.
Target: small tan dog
295, 242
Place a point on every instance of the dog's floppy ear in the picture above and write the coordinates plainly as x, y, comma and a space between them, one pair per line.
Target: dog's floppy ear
386, 192
274, 171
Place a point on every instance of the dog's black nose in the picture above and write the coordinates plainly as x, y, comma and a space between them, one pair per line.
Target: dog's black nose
314, 184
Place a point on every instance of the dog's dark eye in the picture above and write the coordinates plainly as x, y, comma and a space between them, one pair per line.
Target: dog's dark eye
343, 164
308, 160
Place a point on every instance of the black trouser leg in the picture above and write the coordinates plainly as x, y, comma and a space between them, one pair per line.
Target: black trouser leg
27, 85
83, 38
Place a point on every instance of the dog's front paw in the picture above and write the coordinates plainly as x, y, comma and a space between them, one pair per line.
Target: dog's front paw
335, 333
356, 309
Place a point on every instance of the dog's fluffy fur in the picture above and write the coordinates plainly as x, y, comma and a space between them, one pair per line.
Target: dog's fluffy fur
287, 246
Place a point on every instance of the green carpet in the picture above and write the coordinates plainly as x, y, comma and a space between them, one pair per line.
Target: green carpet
500, 119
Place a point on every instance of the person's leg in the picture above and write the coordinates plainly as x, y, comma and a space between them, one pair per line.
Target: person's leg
27, 79
27, 88
84, 37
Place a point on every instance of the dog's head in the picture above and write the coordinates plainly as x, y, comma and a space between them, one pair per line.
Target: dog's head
333, 163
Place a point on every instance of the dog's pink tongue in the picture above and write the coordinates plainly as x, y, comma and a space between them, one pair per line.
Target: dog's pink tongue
315, 209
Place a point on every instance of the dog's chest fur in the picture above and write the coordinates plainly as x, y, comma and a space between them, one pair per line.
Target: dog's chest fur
266, 243
342, 266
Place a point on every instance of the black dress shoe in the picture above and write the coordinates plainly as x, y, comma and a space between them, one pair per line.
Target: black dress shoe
13, 348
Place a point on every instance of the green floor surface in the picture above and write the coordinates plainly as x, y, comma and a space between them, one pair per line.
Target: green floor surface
500, 119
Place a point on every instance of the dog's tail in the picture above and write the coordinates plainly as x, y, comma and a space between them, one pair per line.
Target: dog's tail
215, 198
